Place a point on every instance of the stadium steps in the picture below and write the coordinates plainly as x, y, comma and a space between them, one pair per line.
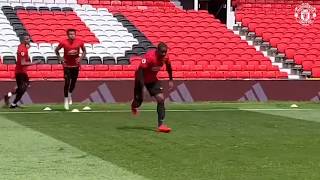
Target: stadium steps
10, 28
144, 43
123, 34
299, 48
177, 3
277, 59
15, 22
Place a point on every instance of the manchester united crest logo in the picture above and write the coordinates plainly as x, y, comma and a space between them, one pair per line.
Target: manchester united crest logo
305, 14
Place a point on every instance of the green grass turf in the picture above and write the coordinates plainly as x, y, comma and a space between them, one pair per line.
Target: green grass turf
225, 144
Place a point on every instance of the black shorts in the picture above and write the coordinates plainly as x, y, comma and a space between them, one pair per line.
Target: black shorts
154, 88
22, 79
71, 72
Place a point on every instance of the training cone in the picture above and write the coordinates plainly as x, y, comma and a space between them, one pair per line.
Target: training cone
47, 109
87, 108
294, 106
75, 110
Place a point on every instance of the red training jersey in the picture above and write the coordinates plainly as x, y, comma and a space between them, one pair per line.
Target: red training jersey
151, 66
22, 53
71, 51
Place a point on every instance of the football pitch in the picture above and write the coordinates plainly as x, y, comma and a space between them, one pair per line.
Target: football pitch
209, 141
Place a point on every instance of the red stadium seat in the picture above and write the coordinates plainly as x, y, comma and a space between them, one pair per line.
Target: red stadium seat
52, 74
190, 74
230, 74
307, 65
7, 74
11, 67
204, 74
316, 72
3, 67
44, 67
131, 68
178, 74
256, 74
190, 63
186, 68
217, 74
281, 75
236, 68
115, 68
269, 74
243, 74
215, 63
210, 68
57, 67
87, 68
100, 67
123, 74
223, 68
35, 74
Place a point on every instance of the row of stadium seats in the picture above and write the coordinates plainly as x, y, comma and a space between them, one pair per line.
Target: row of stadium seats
93, 60
181, 65
162, 75
118, 71
134, 65
51, 59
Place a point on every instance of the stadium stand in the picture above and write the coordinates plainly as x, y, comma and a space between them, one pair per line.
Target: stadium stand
198, 42
275, 22
116, 31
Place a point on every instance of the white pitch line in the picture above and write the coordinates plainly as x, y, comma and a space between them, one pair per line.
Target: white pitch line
150, 110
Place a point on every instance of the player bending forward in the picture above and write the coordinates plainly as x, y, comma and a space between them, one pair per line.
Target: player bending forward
71, 63
22, 79
146, 75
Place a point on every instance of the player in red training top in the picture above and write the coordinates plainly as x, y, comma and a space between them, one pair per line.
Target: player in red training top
71, 63
146, 75
22, 79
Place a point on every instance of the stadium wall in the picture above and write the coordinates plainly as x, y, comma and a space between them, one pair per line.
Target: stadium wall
184, 91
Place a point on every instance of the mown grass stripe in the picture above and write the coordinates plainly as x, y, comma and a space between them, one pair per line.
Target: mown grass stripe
28, 154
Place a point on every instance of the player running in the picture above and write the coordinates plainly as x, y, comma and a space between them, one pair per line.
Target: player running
22, 78
146, 75
71, 63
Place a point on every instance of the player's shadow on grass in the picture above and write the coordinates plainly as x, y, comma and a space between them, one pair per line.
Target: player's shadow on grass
142, 128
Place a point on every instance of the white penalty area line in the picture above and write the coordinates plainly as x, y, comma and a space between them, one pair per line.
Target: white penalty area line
150, 110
